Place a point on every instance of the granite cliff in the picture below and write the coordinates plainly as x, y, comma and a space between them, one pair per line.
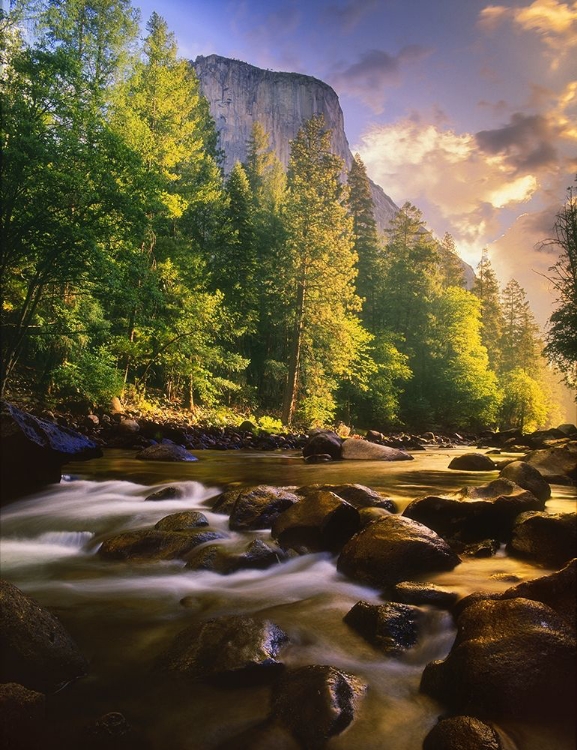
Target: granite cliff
240, 94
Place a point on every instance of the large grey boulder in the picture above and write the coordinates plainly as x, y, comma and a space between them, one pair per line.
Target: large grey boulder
475, 513
511, 659
355, 449
394, 549
34, 451
35, 649
235, 649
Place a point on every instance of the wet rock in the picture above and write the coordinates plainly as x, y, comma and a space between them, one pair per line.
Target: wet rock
318, 458
220, 559
511, 658
128, 426
558, 591
558, 465
484, 548
368, 515
183, 521
526, 476
224, 503
166, 493
316, 702
390, 627
547, 538
409, 592
568, 429
110, 726
235, 649
34, 451
473, 462
247, 426
356, 494
462, 733
259, 507
150, 545
394, 549
35, 649
354, 449
320, 521
323, 442
475, 513
165, 452
22, 713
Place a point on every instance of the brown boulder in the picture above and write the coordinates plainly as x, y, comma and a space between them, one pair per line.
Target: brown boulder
528, 477
473, 462
390, 627
259, 507
149, 545
547, 538
355, 449
462, 733
557, 465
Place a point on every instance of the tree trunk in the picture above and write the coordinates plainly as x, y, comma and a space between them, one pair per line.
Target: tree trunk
291, 389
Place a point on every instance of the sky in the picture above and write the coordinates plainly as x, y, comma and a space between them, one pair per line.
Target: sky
464, 108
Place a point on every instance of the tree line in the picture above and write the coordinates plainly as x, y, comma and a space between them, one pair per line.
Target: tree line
133, 266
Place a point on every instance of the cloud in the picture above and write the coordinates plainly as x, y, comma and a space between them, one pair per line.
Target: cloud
347, 16
526, 143
554, 22
375, 71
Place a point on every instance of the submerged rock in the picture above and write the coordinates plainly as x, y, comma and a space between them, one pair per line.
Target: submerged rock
35, 649
165, 452
512, 658
166, 493
183, 521
409, 592
390, 627
220, 559
394, 549
233, 649
316, 702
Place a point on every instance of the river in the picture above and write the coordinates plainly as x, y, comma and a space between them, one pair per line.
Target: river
124, 615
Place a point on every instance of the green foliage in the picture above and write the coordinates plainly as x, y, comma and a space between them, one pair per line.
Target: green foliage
91, 375
524, 403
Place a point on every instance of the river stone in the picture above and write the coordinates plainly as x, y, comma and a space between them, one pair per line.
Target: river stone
320, 521
108, 728
409, 592
234, 649
22, 714
394, 549
34, 451
558, 465
547, 538
224, 503
259, 507
316, 702
324, 442
462, 733
35, 649
473, 462
528, 477
165, 452
475, 513
151, 545
166, 493
356, 449
368, 515
183, 521
558, 591
220, 559
356, 494
512, 658
390, 627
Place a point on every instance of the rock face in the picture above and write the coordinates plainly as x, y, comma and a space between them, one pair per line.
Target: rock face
35, 649
240, 94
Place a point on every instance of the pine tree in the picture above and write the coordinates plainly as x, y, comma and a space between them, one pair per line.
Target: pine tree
487, 289
451, 265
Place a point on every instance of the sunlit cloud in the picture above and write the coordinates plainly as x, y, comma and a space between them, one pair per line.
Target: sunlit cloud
554, 22
517, 191
376, 70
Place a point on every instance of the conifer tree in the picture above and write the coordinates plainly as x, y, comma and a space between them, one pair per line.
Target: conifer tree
487, 289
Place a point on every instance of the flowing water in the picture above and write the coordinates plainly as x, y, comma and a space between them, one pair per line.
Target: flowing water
123, 615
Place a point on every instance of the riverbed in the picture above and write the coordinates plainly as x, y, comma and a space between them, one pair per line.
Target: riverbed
124, 615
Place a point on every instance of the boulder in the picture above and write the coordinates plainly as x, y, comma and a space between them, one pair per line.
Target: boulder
390, 627
368, 515
462, 733
528, 477
568, 429
475, 513
234, 649
547, 538
22, 714
183, 521
355, 449
394, 549
34, 451
166, 493
356, 494
323, 442
511, 659
224, 503
165, 452
409, 592
107, 730
473, 462
259, 507
35, 649
558, 465
320, 521
557, 590
220, 559
316, 702
151, 545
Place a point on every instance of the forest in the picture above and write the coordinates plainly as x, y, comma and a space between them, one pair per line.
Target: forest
133, 267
